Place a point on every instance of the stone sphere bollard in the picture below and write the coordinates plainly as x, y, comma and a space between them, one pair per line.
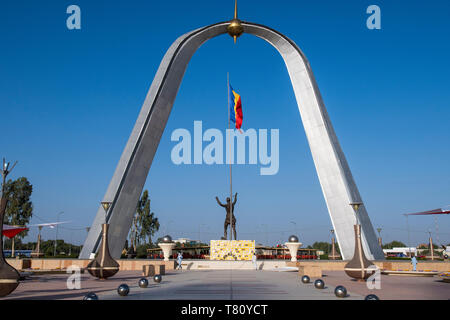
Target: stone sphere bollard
340, 292
319, 284
157, 278
90, 296
143, 283
123, 290
371, 297
306, 279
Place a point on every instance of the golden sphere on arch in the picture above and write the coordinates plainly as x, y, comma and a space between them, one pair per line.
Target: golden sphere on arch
235, 28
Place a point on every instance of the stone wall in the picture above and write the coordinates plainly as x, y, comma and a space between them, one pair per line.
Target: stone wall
137, 264
58, 264
328, 265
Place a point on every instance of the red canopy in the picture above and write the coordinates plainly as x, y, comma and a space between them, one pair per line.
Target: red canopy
11, 232
435, 211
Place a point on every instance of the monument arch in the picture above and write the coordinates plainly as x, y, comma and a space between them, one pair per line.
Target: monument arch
334, 174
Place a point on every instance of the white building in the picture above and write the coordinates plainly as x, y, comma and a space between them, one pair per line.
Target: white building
401, 251
186, 241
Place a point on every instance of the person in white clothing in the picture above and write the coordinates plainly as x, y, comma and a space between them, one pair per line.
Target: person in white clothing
254, 261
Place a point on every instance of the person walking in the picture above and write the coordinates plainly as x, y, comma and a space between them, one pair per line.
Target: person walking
179, 260
414, 262
254, 261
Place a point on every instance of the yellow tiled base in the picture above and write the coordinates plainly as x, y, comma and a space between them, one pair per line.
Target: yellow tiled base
239, 250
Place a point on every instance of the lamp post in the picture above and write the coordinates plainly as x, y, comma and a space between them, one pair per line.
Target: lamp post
106, 205
379, 238
355, 206
431, 246
333, 247
409, 239
56, 234
37, 254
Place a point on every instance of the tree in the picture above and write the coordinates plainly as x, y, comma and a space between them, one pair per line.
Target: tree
19, 209
396, 244
324, 246
145, 223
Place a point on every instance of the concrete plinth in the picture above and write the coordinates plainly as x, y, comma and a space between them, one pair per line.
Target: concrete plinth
310, 271
293, 248
167, 249
150, 270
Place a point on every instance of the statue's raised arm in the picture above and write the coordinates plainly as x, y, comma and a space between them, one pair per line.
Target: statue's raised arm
235, 199
220, 204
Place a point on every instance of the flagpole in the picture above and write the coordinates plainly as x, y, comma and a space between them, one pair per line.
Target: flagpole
231, 176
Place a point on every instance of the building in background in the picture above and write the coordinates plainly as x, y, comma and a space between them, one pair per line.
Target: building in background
186, 241
400, 252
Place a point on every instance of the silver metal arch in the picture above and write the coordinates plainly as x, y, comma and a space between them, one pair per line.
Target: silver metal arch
335, 178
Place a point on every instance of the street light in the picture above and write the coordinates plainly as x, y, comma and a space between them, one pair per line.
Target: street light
38, 244
56, 235
355, 206
333, 248
5, 171
379, 237
106, 205
431, 245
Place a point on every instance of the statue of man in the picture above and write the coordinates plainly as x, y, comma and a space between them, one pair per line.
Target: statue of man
229, 207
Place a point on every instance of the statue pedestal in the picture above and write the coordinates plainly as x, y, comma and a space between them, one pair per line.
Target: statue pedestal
167, 249
293, 247
232, 250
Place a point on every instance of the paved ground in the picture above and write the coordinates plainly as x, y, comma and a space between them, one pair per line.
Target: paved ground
395, 287
230, 285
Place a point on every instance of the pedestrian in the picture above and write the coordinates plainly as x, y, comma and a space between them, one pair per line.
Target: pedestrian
414, 262
254, 261
179, 260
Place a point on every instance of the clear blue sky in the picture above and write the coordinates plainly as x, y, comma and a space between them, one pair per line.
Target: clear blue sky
69, 100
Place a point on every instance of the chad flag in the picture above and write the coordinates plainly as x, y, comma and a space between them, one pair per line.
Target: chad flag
235, 107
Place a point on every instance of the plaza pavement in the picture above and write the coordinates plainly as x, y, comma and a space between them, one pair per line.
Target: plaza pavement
229, 285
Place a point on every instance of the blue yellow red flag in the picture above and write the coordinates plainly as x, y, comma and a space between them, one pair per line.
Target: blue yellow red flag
235, 107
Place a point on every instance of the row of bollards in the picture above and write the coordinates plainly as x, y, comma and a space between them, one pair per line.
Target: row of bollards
339, 291
123, 290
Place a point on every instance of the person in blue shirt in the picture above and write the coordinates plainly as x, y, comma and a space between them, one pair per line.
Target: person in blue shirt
179, 260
